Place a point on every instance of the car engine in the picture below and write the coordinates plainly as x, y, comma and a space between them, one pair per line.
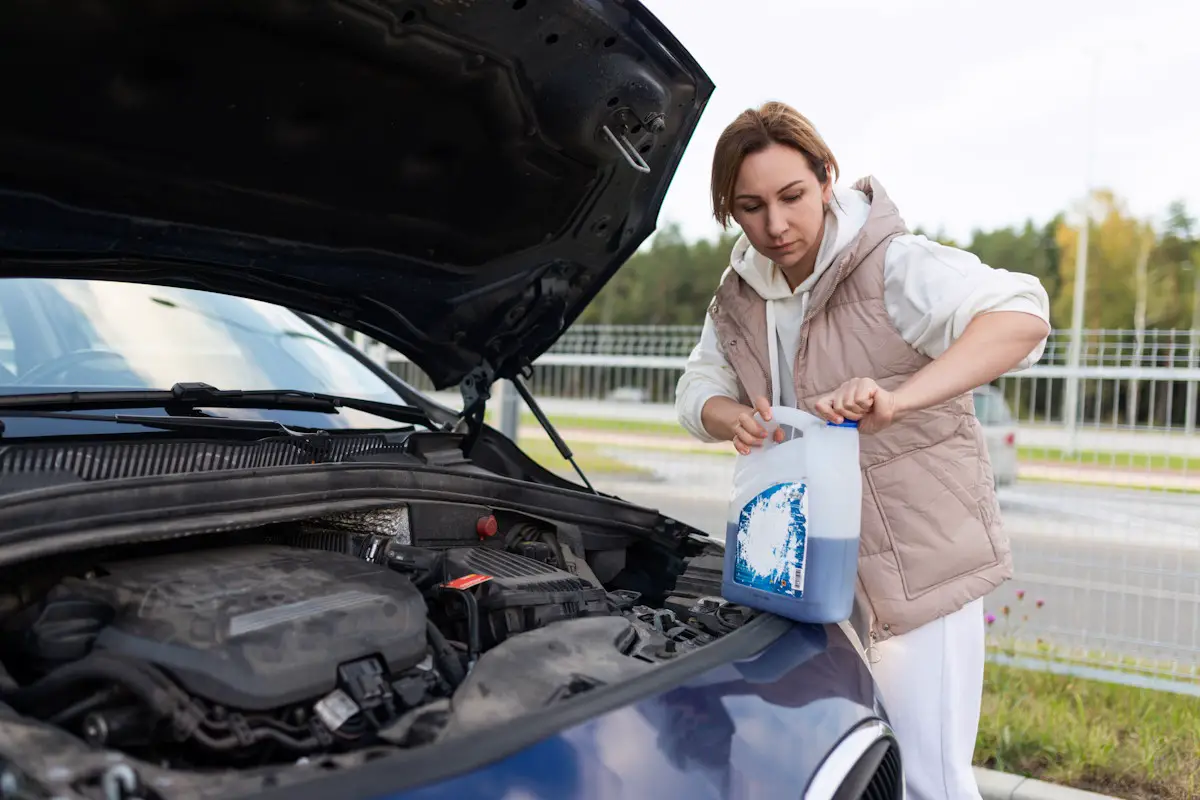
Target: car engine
264, 646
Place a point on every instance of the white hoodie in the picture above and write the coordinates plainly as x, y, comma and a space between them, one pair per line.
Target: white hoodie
931, 293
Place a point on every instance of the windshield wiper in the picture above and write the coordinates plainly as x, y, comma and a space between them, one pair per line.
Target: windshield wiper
185, 398
225, 426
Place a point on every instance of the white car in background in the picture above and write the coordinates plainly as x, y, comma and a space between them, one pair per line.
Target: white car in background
1001, 430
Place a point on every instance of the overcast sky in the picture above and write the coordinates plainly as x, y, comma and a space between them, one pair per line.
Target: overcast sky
971, 114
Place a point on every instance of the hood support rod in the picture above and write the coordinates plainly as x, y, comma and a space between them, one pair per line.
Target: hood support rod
565, 451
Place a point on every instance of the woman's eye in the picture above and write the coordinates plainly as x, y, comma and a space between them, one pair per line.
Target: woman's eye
750, 209
791, 199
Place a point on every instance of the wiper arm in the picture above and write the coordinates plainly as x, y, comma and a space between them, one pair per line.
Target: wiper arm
250, 428
185, 398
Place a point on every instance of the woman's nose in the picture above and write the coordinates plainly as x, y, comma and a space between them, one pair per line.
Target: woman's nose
776, 224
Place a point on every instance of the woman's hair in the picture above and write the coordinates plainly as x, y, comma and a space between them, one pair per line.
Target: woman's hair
754, 130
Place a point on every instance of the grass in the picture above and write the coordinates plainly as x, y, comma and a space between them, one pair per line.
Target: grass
1127, 742
1093, 484
594, 424
1089, 458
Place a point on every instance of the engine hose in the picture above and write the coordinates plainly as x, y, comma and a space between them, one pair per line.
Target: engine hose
143, 681
444, 656
472, 609
306, 744
90, 703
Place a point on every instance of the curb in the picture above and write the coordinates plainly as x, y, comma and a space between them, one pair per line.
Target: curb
1004, 786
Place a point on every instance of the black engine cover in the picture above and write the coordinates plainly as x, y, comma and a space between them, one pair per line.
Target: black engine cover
521, 594
256, 627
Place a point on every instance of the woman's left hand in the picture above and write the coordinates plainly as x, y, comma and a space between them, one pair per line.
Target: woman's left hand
861, 400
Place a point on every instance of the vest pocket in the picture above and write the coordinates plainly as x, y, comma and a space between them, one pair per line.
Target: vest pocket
934, 525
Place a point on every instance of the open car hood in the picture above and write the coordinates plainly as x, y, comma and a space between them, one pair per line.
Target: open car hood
455, 178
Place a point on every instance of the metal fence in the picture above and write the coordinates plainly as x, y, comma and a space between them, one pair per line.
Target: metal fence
1104, 515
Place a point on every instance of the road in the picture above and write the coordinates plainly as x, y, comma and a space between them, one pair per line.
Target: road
1119, 571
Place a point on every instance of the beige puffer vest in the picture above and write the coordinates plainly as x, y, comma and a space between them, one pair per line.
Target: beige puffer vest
931, 534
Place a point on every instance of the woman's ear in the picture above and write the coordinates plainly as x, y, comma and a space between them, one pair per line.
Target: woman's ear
827, 189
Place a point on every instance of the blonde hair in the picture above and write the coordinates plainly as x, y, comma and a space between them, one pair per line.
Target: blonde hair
754, 130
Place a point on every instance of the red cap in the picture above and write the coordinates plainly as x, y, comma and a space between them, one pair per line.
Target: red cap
486, 526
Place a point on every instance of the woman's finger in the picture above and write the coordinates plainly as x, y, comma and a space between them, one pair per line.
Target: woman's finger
824, 407
749, 424
844, 405
763, 406
748, 440
864, 396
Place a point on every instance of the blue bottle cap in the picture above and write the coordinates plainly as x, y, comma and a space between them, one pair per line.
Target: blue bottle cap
844, 424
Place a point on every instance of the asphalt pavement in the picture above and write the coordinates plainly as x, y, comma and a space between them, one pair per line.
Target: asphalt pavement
1118, 570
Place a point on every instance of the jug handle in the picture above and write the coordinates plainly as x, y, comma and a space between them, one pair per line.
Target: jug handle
795, 418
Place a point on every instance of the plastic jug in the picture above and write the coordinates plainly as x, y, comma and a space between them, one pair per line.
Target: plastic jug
791, 544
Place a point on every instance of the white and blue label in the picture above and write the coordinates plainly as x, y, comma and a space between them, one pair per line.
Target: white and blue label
771, 542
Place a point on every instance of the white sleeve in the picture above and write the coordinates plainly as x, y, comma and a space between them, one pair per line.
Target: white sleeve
706, 375
932, 292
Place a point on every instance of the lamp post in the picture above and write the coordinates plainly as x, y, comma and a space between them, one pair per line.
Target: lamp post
1070, 410
1189, 418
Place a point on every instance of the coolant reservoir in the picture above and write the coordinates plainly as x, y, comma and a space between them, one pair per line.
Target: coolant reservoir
792, 532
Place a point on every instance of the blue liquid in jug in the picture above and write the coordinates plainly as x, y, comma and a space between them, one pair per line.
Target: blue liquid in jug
784, 570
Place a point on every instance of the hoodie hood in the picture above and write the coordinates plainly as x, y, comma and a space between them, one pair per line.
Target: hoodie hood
845, 218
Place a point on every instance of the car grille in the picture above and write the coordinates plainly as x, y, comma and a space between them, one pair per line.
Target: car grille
865, 765
108, 461
888, 781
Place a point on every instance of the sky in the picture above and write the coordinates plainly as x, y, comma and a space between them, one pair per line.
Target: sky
970, 114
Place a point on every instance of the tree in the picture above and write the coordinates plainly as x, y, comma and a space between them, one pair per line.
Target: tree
669, 283
1116, 239
1171, 273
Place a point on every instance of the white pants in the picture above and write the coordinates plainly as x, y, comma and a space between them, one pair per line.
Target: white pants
931, 680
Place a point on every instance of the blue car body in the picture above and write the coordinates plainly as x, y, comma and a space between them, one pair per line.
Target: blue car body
453, 180
755, 728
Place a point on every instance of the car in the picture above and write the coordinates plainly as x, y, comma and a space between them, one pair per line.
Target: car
1000, 431
239, 558
628, 394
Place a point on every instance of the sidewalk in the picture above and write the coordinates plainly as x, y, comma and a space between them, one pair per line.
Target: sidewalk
1003, 786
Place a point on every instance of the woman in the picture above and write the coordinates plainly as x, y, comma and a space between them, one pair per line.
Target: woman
829, 304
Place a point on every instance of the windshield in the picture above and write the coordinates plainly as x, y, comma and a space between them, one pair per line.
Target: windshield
94, 335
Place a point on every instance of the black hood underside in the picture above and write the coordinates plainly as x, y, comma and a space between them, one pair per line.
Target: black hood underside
455, 178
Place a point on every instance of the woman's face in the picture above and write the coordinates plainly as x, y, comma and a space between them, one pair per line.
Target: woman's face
780, 205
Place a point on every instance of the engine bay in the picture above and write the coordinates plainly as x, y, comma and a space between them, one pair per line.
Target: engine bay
392, 628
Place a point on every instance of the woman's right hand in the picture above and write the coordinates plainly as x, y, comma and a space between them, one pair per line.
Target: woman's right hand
727, 419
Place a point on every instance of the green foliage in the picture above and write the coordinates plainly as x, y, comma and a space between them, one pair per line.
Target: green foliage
1104, 737
671, 282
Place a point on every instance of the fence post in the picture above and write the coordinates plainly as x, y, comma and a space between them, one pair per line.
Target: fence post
510, 416
1189, 414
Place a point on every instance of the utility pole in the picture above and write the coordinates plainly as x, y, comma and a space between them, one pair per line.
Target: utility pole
1074, 351
1189, 419
1070, 410
1139, 319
